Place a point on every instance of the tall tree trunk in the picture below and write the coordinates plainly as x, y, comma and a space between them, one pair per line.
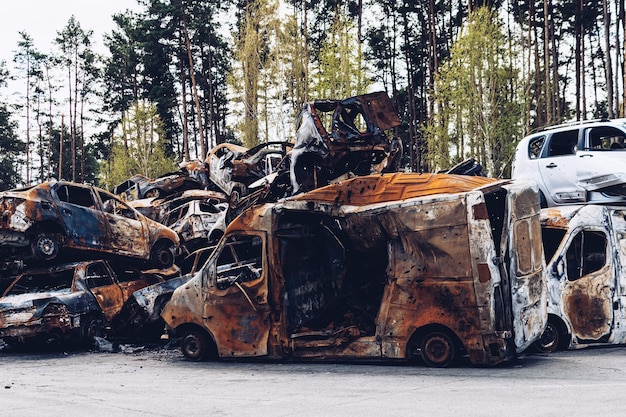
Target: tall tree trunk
194, 87
577, 53
61, 139
607, 58
183, 85
622, 19
546, 60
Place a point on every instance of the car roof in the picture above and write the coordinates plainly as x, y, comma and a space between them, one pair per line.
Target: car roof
621, 122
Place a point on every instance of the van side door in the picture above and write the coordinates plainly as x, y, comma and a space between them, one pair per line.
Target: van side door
587, 284
522, 240
236, 308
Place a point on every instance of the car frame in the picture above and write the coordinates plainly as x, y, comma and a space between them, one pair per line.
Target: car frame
39, 222
573, 163
234, 169
68, 302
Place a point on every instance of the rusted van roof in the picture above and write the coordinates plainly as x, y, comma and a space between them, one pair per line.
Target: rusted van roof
393, 187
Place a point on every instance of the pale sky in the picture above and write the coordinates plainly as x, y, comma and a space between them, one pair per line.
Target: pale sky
42, 19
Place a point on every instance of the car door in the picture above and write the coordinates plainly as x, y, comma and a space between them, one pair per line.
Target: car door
558, 166
236, 308
85, 225
127, 234
104, 287
588, 284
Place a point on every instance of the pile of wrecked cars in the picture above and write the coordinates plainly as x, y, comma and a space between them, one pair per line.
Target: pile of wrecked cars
321, 250
71, 257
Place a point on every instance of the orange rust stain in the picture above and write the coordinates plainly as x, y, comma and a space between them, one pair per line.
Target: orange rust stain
393, 187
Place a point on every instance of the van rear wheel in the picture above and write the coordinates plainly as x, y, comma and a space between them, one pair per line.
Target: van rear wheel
438, 349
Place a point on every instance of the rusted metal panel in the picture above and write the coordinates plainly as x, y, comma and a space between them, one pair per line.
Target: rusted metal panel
586, 273
371, 267
393, 187
56, 304
40, 222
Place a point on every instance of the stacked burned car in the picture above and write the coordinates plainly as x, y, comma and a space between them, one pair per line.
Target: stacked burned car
55, 238
42, 222
71, 302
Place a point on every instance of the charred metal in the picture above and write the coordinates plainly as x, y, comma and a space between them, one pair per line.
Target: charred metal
388, 267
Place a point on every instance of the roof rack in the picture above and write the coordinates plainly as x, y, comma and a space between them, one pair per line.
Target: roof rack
574, 123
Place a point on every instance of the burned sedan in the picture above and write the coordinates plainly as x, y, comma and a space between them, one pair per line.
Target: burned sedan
66, 303
349, 137
198, 218
139, 186
42, 221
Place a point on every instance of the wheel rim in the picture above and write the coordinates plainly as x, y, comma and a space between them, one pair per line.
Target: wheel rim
549, 340
193, 346
47, 247
437, 350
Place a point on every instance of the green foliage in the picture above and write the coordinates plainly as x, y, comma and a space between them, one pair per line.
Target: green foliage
138, 148
340, 71
10, 148
478, 112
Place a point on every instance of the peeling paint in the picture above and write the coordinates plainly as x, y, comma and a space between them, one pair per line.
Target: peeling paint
40, 222
377, 267
585, 274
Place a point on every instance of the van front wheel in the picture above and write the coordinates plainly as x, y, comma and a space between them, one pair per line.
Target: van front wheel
195, 345
550, 339
438, 349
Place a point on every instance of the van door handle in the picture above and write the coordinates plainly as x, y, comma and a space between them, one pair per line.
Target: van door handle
551, 165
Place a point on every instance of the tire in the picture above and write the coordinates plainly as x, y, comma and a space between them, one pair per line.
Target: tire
551, 339
438, 349
89, 330
195, 345
162, 255
46, 246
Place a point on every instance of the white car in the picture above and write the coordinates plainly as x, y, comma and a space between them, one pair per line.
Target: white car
580, 162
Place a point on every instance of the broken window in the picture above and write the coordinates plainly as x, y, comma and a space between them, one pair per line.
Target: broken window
43, 282
606, 138
116, 207
239, 261
98, 276
551, 239
586, 254
564, 143
79, 196
535, 146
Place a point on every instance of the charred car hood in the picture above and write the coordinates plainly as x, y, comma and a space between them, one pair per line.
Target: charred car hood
13, 302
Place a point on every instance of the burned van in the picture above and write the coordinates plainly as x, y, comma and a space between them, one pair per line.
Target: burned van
389, 267
585, 246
